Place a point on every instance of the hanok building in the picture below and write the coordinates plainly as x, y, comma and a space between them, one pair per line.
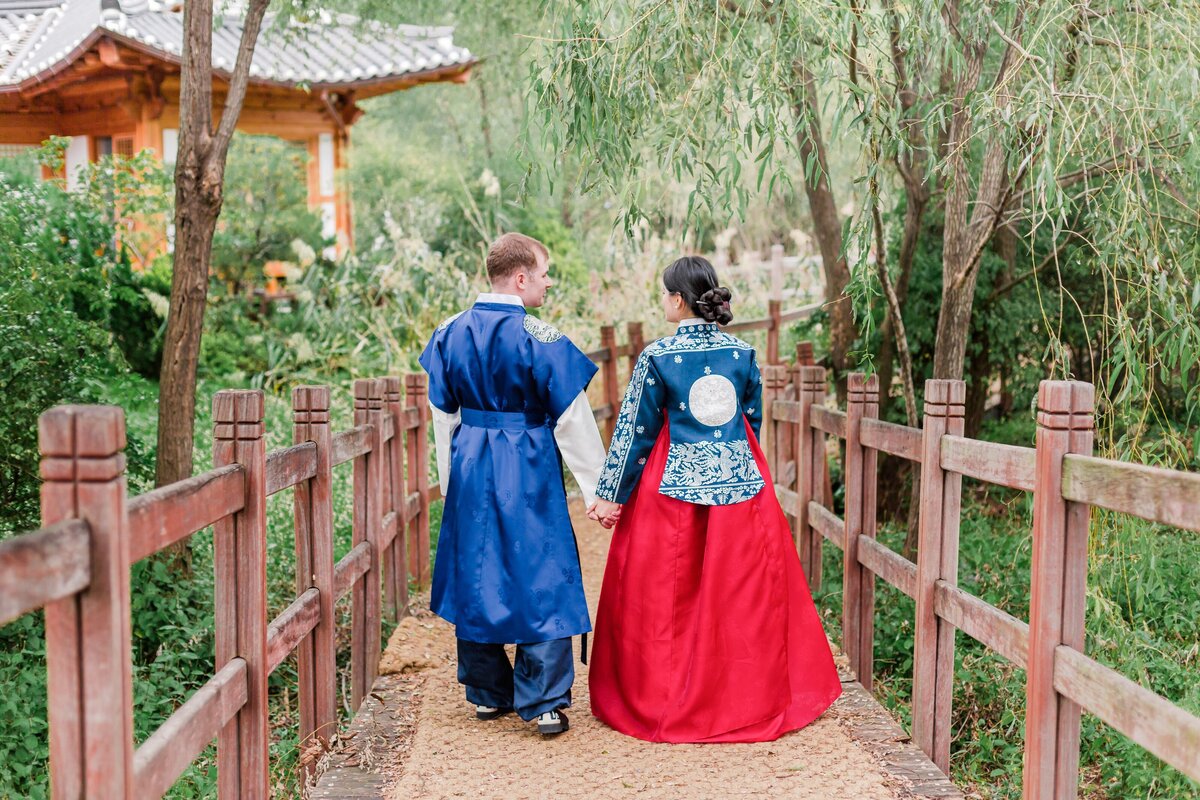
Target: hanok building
106, 74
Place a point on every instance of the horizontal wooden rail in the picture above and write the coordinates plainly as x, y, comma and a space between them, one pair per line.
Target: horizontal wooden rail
983, 622
602, 413
352, 443
41, 567
291, 626
888, 437
827, 523
1151, 493
789, 500
388, 428
748, 325
1151, 721
289, 466
388, 529
785, 411
434, 493
159, 518
410, 419
803, 312
412, 506
352, 567
599, 356
163, 757
887, 564
829, 420
999, 464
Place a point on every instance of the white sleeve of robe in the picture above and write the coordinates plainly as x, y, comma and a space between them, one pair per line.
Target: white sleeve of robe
579, 442
443, 431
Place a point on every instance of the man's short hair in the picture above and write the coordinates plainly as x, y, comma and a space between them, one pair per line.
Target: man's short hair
511, 253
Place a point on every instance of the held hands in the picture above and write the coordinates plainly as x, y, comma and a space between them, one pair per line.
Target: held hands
605, 512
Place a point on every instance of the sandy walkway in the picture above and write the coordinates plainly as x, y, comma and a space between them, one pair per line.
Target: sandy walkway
454, 755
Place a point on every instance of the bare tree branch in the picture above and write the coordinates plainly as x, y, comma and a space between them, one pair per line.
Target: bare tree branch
241, 72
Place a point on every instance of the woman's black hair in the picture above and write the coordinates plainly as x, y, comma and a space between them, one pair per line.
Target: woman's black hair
695, 280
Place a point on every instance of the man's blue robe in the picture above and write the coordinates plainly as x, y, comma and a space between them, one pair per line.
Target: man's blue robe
507, 567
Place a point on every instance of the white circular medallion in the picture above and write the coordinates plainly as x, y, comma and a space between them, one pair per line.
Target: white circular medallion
713, 400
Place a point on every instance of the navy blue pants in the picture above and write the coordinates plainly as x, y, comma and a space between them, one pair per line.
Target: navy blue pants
540, 682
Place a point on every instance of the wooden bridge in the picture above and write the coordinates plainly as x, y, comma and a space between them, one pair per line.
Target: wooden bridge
77, 567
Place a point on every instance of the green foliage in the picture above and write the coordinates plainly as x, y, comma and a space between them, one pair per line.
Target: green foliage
265, 209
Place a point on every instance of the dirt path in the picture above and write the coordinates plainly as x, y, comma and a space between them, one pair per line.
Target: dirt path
452, 754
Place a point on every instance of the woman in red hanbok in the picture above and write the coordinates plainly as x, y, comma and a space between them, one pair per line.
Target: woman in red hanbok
706, 630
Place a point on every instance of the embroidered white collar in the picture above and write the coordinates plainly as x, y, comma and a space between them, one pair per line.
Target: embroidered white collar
692, 321
495, 297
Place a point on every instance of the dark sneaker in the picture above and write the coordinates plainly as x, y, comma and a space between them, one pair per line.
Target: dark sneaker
487, 712
552, 723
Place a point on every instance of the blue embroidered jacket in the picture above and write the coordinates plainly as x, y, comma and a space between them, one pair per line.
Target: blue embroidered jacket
703, 382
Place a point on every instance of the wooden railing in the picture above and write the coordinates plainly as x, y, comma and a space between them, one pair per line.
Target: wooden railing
1066, 481
608, 356
77, 567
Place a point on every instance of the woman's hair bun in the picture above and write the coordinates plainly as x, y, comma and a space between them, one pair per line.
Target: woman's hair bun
713, 305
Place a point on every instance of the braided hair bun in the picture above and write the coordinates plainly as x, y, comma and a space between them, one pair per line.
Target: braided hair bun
713, 306
695, 280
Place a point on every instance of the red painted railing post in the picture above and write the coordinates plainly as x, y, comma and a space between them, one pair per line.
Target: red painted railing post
1058, 591
89, 679
775, 312
608, 370
240, 561
313, 506
774, 379
395, 572
366, 614
637, 343
418, 473
810, 470
937, 559
858, 584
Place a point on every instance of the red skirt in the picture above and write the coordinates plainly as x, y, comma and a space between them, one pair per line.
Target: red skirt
706, 630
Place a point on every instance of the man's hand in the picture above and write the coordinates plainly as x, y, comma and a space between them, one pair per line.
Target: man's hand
605, 512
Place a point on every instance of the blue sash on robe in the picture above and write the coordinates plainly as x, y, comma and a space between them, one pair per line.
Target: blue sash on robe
507, 566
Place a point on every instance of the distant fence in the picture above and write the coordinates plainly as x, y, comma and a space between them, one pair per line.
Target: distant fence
1066, 481
77, 567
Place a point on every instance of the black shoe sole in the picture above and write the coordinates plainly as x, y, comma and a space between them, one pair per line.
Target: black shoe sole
487, 715
562, 726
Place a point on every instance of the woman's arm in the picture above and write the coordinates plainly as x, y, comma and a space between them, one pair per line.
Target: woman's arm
752, 396
638, 424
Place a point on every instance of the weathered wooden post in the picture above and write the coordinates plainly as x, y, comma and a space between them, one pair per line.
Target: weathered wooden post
775, 312
858, 584
366, 600
313, 504
774, 380
395, 573
608, 370
240, 612
417, 386
637, 343
937, 559
804, 354
380, 414
1058, 591
810, 462
89, 680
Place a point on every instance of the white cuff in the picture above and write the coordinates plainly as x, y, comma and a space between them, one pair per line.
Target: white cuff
443, 432
579, 442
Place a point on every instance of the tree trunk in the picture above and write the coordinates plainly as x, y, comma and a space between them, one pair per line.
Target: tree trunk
979, 386
827, 225
914, 213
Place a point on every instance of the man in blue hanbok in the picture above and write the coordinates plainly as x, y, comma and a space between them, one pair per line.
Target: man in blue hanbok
507, 392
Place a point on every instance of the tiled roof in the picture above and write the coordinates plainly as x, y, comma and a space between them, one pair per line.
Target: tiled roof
327, 51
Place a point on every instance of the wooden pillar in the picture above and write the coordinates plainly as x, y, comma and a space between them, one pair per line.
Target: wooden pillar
804, 354
313, 503
810, 460
775, 312
395, 572
240, 560
937, 559
1058, 591
366, 612
858, 584
608, 370
774, 381
327, 191
89, 680
417, 386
